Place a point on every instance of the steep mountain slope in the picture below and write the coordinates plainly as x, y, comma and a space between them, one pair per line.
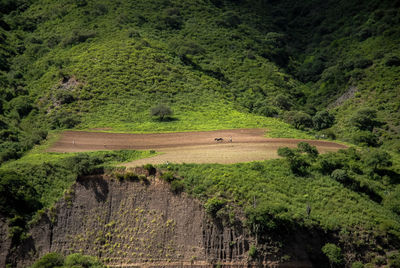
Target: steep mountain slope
219, 64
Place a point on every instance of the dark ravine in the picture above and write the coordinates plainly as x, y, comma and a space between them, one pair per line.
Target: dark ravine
137, 224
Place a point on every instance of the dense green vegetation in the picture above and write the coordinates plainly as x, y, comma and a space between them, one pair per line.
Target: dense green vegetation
102, 64
352, 193
76, 260
36, 181
300, 69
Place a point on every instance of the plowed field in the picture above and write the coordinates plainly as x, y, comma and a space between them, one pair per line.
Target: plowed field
238, 145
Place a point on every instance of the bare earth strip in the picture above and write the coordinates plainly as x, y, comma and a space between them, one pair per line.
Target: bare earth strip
187, 147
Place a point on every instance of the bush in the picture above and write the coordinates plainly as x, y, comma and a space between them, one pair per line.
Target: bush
170, 18
376, 158
365, 138
298, 119
253, 252
177, 186
131, 176
161, 111
364, 119
229, 19
328, 133
298, 164
283, 102
392, 200
322, 120
168, 177
305, 147
79, 260
151, 170
22, 105
394, 260
340, 175
333, 253
265, 109
392, 61
17, 196
50, 260
357, 264
77, 37
213, 205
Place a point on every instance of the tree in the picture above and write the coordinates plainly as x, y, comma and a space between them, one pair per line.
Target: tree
305, 147
322, 120
297, 162
334, 254
364, 119
161, 111
376, 158
298, 119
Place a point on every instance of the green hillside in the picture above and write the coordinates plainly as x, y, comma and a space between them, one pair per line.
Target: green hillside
300, 69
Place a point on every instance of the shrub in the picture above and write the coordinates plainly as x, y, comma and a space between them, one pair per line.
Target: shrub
364, 119
229, 19
298, 164
77, 37
266, 217
22, 105
365, 138
144, 179
177, 186
187, 48
376, 158
283, 102
131, 176
328, 133
340, 175
17, 196
79, 260
392, 61
151, 170
170, 18
161, 111
265, 110
253, 252
392, 200
298, 119
394, 260
213, 205
49, 260
334, 254
357, 264
305, 147
168, 177
322, 120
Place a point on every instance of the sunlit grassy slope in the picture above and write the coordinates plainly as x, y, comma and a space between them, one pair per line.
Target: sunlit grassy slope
123, 70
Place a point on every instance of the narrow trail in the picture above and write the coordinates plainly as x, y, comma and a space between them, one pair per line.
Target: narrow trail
238, 145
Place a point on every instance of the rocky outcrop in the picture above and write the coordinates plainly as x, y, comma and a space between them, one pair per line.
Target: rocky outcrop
137, 224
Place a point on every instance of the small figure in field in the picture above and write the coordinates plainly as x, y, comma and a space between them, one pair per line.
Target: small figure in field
73, 142
230, 139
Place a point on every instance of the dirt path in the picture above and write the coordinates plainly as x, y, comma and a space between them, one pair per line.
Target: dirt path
187, 147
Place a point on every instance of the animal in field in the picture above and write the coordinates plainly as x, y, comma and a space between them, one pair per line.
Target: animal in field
219, 139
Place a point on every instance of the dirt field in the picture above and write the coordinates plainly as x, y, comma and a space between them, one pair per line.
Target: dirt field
187, 147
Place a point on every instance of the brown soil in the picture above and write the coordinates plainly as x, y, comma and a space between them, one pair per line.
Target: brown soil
187, 147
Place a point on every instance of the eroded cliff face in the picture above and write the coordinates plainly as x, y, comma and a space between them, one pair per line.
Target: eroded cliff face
138, 224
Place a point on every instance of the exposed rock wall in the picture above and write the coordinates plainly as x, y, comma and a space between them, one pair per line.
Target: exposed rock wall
136, 224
